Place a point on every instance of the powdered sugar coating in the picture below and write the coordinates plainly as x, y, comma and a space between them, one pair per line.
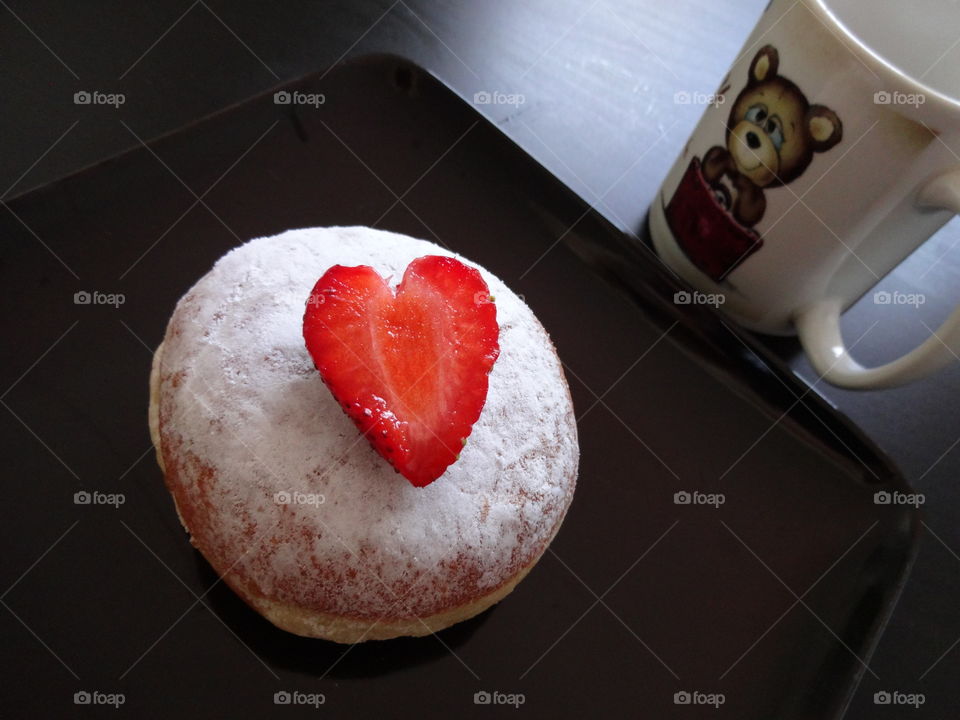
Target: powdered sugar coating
244, 417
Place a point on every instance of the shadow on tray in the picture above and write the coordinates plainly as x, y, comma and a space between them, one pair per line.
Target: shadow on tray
310, 656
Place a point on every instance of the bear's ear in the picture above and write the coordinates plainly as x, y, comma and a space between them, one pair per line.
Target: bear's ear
764, 64
824, 126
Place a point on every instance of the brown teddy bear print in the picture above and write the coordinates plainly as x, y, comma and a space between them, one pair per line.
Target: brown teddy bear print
772, 134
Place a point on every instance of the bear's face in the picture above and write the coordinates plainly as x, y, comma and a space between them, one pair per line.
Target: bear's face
772, 131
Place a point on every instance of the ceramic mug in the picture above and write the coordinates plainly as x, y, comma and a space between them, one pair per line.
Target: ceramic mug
820, 164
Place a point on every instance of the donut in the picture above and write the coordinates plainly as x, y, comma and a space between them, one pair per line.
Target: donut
289, 504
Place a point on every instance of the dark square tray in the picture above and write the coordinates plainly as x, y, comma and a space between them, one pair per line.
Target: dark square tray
775, 599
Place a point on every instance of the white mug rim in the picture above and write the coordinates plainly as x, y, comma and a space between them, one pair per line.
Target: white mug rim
869, 55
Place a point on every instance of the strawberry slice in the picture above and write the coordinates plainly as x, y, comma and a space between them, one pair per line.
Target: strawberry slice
410, 369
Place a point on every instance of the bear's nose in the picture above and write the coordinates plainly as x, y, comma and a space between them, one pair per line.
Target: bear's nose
753, 142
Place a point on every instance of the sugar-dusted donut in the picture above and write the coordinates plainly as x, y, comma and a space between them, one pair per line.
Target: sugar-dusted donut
288, 502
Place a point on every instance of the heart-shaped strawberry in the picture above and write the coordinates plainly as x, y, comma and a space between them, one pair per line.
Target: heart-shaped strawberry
410, 369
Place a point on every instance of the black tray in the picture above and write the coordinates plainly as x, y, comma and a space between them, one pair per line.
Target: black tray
775, 599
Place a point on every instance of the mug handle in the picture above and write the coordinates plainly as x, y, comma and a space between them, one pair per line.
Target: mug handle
818, 324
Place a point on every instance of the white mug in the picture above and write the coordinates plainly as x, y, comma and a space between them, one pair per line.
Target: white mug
829, 153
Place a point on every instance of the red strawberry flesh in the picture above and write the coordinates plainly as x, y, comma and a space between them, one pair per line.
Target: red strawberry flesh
409, 368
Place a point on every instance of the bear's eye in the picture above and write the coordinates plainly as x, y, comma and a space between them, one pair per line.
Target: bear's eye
756, 114
774, 132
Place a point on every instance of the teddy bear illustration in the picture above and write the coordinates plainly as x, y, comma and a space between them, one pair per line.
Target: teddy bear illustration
772, 134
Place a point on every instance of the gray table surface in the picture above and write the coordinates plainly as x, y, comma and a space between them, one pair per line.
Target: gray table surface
598, 80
